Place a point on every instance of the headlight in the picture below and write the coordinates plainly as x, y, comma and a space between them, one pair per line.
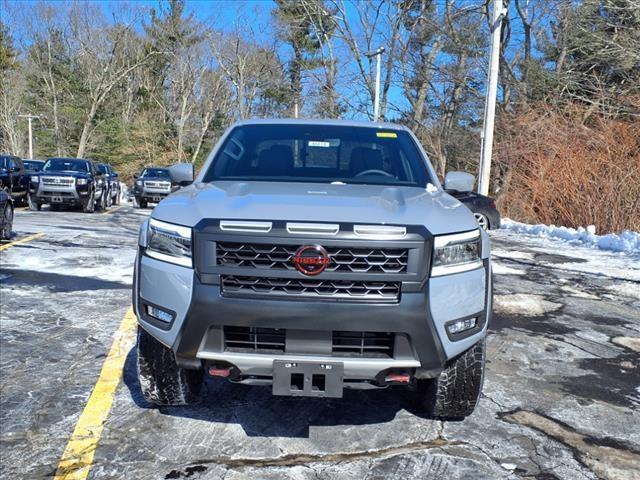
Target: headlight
35, 178
82, 181
169, 243
456, 253
139, 183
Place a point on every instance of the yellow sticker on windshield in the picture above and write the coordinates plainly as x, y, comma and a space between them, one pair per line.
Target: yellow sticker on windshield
386, 135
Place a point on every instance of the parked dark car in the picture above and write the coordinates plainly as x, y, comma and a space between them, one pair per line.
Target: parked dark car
6, 215
69, 182
152, 185
460, 186
112, 182
483, 208
13, 177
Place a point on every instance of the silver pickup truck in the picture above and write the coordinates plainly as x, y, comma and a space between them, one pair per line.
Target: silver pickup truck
314, 256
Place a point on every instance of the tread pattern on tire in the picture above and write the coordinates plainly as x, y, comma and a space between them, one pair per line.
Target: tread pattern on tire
162, 381
455, 392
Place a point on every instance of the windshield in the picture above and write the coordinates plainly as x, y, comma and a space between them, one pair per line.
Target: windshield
33, 165
156, 173
66, 165
103, 168
319, 153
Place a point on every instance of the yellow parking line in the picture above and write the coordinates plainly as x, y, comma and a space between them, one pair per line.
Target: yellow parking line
112, 210
22, 240
78, 456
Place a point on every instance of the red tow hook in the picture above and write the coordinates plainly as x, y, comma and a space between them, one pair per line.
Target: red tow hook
220, 372
398, 377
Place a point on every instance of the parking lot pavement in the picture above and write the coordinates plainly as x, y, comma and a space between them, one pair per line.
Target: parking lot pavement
561, 392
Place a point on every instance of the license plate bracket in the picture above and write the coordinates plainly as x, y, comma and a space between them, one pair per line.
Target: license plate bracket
308, 379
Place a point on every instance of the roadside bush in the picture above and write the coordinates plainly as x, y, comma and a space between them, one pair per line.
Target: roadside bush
569, 168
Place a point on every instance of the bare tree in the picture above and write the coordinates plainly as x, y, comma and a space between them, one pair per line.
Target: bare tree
106, 55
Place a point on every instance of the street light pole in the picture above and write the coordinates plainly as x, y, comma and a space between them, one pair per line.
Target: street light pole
490, 102
376, 100
30, 117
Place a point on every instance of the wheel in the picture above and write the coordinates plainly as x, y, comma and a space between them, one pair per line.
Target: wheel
7, 222
482, 220
109, 202
90, 206
162, 381
116, 200
136, 202
103, 201
33, 205
143, 204
455, 392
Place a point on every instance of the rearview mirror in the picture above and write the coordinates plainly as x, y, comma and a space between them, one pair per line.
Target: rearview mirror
182, 173
460, 181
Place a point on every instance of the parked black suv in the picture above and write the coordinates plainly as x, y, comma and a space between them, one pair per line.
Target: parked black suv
69, 182
152, 185
13, 177
112, 182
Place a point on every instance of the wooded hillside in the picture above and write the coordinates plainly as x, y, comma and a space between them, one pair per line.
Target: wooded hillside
139, 86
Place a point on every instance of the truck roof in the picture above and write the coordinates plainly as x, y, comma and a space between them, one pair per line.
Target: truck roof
316, 121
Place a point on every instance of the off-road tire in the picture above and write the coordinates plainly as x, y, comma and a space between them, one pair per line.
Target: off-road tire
33, 205
454, 393
144, 204
116, 200
90, 205
162, 381
7, 223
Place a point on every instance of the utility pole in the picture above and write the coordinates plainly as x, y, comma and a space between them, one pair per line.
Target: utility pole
376, 100
30, 117
490, 102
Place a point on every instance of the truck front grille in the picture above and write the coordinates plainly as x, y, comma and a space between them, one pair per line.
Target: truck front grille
339, 289
58, 181
343, 259
253, 339
158, 185
362, 344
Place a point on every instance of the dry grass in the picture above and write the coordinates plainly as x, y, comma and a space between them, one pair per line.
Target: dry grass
555, 168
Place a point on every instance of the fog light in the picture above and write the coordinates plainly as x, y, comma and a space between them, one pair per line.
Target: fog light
159, 314
462, 325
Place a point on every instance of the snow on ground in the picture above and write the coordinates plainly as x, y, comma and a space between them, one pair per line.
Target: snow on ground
627, 241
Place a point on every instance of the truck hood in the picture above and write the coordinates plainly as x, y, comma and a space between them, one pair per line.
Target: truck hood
314, 202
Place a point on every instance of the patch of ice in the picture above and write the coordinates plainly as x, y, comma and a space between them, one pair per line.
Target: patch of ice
509, 466
627, 289
500, 269
627, 241
524, 304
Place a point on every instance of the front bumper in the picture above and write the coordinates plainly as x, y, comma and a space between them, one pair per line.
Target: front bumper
202, 313
65, 195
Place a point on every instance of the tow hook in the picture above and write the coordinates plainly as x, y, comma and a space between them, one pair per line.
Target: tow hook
224, 372
398, 378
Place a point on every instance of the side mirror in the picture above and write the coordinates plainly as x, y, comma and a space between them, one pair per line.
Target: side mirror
460, 181
135, 175
182, 174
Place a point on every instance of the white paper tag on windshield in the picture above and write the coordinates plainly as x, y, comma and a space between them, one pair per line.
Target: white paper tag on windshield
314, 143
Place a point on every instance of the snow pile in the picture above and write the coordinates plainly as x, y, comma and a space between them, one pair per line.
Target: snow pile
627, 241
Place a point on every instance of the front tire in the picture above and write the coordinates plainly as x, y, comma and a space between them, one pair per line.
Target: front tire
34, 205
7, 222
455, 392
162, 381
90, 206
483, 220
